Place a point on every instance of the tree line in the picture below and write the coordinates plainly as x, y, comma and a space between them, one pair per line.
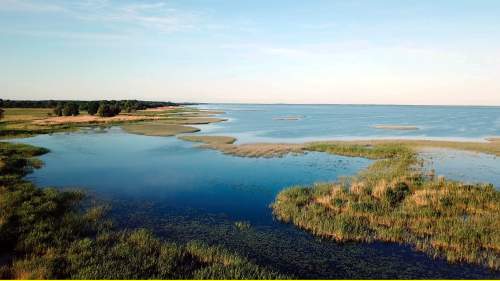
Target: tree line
102, 108
83, 105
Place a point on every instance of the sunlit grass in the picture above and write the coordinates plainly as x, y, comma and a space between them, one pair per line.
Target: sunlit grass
393, 201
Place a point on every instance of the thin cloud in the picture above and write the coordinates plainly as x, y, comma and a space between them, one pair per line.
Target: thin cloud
149, 16
28, 6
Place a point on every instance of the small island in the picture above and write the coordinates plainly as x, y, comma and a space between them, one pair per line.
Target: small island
396, 127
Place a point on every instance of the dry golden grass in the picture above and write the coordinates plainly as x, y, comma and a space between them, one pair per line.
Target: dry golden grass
82, 119
215, 140
25, 114
226, 145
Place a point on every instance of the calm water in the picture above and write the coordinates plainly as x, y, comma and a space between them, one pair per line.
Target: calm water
184, 193
466, 166
250, 123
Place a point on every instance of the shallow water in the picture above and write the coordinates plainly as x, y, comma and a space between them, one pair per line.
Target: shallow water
252, 123
466, 166
183, 193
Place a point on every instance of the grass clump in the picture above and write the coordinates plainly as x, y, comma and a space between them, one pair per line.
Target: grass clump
242, 225
393, 201
48, 234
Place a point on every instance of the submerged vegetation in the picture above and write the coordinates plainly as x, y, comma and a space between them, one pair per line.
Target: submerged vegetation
48, 234
394, 201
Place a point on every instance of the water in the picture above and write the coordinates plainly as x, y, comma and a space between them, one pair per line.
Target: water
252, 123
184, 193
465, 166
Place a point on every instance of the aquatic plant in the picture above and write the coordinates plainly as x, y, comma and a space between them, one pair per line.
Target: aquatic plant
393, 201
242, 225
48, 234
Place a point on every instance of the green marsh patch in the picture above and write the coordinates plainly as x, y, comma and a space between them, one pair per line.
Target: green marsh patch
393, 201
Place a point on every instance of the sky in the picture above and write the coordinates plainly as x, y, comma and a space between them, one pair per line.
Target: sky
338, 52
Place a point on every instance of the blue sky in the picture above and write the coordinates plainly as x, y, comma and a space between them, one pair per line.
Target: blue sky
388, 52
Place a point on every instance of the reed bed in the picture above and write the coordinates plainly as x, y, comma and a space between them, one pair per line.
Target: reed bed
393, 201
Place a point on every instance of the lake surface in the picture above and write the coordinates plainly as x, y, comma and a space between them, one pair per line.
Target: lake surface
183, 192
252, 123
465, 166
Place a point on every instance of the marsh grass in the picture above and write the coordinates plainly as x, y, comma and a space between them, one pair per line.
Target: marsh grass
226, 145
211, 140
393, 201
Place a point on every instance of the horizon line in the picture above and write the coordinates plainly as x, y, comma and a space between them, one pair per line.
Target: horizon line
263, 103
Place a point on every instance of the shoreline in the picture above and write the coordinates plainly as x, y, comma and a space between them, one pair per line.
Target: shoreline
263, 149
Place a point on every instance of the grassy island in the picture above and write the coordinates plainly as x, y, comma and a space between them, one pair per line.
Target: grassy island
393, 200
48, 234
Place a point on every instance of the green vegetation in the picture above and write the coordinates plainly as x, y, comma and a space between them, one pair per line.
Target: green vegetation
67, 109
392, 200
47, 234
108, 109
83, 105
92, 107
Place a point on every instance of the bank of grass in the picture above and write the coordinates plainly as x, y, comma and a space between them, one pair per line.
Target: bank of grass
48, 234
489, 146
393, 201
210, 140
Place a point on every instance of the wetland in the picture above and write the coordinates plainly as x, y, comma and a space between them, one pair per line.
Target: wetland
216, 185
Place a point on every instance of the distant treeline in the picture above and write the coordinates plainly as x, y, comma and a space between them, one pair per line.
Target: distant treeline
83, 105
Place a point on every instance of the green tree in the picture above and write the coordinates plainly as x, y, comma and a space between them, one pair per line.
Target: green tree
58, 110
108, 110
1, 113
130, 106
70, 109
103, 110
92, 108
